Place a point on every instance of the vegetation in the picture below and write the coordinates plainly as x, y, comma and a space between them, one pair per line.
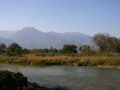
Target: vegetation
108, 53
85, 48
2, 48
25, 51
12, 81
64, 60
16, 81
45, 50
69, 48
106, 43
14, 50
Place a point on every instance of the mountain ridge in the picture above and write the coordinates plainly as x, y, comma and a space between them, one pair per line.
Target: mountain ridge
30, 38
7, 42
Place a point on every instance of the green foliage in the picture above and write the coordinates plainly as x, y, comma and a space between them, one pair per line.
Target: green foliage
113, 44
13, 47
86, 51
53, 50
14, 50
25, 51
80, 48
9, 53
84, 48
106, 43
101, 40
68, 48
45, 50
18, 51
119, 45
12, 80
2, 48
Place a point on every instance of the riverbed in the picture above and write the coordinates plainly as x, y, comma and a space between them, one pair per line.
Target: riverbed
70, 77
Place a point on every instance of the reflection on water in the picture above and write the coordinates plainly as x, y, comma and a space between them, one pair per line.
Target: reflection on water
71, 77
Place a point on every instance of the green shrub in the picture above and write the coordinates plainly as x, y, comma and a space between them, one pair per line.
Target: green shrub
12, 80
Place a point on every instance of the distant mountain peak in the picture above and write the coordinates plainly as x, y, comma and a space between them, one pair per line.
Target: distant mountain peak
30, 38
29, 28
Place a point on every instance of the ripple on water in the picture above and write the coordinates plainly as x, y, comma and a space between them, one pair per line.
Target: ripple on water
73, 78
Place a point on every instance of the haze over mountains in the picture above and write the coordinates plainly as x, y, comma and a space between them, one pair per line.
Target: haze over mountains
7, 33
31, 38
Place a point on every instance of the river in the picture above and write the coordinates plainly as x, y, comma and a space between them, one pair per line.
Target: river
70, 77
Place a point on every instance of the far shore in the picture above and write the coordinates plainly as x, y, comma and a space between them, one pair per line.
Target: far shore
108, 66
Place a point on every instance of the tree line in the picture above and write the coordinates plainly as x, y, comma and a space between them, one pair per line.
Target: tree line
103, 42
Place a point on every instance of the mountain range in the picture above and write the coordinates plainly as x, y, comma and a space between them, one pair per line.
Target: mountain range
31, 38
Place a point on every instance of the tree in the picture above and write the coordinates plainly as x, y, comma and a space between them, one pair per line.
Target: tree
80, 48
51, 47
53, 50
45, 50
106, 43
101, 40
68, 48
14, 49
25, 51
2, 47
18, 51
86, 50
113, 44
84, 47
119, 45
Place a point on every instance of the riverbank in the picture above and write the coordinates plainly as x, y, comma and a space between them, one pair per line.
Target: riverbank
16, 81
62, 60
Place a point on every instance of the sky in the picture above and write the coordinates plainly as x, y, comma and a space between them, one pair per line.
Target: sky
85, 16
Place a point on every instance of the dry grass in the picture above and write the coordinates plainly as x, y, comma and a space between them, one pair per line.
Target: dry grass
62, 60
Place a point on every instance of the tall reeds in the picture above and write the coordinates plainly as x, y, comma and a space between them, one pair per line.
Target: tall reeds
62, 60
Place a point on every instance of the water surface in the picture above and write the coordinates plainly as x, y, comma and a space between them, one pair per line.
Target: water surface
71, 77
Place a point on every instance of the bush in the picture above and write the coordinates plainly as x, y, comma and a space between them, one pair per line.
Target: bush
14, 50
12, 80
16, 81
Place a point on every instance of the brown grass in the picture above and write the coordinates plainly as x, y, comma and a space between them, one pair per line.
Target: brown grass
62, 60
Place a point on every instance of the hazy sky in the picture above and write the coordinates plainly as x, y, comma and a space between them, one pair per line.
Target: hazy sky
85, 16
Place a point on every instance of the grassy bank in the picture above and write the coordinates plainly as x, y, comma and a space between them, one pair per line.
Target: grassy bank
62, 60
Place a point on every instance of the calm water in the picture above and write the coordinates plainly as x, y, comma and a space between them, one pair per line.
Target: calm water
71, 77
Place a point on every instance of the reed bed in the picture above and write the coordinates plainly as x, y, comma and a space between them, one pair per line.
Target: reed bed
62, 60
